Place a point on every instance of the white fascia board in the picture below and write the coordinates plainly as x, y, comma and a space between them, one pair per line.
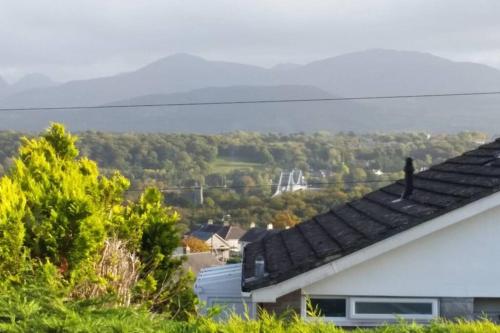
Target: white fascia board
270, 293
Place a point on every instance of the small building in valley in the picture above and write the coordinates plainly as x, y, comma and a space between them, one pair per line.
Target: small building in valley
216, 243
197, 261
220, 238
418, 249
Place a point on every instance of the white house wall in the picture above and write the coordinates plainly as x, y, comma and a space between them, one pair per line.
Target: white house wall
461, 260
217, 243
234, 244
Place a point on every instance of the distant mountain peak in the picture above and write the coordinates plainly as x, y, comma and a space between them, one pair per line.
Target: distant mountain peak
31, 81
35, 78
177, 58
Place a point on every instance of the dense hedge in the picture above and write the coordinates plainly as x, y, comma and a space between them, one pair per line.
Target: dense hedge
40, 305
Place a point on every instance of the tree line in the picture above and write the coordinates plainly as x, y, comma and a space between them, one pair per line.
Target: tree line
343, 165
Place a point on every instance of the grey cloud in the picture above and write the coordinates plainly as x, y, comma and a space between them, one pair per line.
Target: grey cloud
84, 38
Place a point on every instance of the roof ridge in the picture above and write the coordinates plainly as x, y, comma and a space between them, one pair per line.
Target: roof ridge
460, 172
419, 176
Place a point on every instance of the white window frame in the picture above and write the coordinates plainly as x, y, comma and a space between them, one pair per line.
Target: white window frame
354, 315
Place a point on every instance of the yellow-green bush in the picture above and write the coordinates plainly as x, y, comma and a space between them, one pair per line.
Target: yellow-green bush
57, 208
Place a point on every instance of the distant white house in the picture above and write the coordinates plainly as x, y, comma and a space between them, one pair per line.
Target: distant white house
421, 248
221, 238
216, 243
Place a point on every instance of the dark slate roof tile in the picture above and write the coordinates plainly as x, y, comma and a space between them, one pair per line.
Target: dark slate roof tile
377, 216
494, 163
344, 236
464, 159
403, 206
256, 234
381, 214
423, 197
462, 179
319, 240
299, 249
493, 153
276, 256
446, 188
362, 224
473, 170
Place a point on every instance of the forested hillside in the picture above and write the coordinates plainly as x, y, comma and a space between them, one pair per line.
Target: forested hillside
238, 170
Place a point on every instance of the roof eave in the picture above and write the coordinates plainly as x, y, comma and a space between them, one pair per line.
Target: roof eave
263, 292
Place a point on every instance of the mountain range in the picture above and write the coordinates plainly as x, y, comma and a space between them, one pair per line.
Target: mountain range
26, 83
184, 78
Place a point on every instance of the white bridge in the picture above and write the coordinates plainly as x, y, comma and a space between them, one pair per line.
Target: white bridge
291, 181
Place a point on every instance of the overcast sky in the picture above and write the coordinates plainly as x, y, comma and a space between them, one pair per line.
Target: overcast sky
73, 39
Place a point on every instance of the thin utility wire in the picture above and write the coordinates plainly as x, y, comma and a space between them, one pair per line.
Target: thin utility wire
263, 101
192, 188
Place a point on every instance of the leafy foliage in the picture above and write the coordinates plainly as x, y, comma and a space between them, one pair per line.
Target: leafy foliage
12, 231
38, 307
284, 219
195, 245
64, 226
67, 202
251, 161
57, 209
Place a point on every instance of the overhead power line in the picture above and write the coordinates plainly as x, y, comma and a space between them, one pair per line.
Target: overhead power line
193, 188
263, 101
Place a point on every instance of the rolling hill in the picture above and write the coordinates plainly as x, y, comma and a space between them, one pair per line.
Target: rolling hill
184, 77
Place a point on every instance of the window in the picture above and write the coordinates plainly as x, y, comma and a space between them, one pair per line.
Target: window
330, 307
391, 308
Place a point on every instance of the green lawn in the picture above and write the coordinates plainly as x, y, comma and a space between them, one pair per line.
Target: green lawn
224, 165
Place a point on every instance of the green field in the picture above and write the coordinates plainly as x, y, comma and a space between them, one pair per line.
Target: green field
224, 165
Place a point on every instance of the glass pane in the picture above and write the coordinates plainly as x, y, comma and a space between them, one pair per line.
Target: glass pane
399, 308
329, 307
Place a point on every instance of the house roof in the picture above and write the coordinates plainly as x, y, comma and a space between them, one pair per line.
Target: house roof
256, 234
227, 232
221, 281
376, 216
198, 261
202, 235
231, 232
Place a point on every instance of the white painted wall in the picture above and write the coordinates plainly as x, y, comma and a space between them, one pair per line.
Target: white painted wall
216, 242
219, 246
461, 260
234, 244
